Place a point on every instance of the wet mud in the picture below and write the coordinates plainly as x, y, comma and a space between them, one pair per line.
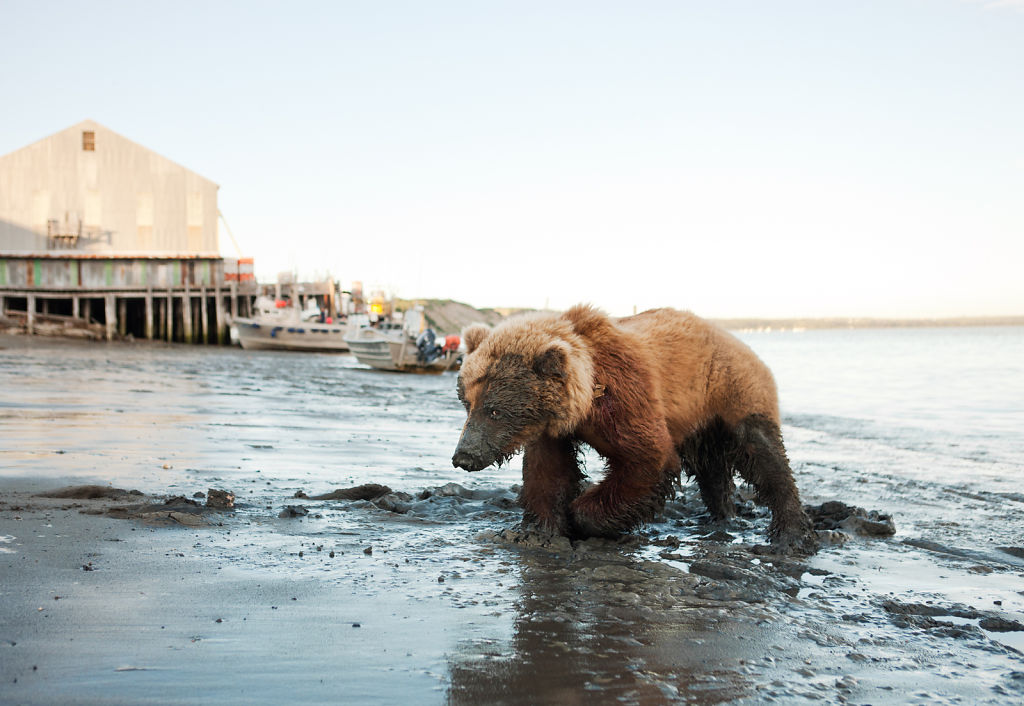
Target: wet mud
351, 541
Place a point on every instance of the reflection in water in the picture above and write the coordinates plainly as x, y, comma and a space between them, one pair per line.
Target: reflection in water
610, 628
122, 413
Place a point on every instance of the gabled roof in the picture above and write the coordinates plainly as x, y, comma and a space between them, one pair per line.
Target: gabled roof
89, 124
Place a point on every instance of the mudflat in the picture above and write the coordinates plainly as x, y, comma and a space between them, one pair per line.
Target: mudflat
355, 565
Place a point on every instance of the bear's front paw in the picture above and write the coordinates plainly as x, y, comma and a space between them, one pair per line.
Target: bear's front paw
801, 540
586, 521
555, 524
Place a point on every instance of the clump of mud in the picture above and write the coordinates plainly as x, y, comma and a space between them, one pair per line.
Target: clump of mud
87, 492
367, 491
446, 502
928, 617
836, 516
293, 511
175, 510
218, 499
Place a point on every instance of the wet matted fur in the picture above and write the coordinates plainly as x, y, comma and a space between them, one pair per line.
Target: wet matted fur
651, 393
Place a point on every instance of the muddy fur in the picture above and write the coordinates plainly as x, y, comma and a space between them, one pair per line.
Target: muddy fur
709, 455
654, 394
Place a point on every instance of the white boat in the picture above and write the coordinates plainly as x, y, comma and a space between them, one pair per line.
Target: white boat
288, 329
388, 346
276, 334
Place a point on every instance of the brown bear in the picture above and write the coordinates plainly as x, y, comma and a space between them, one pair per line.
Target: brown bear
653, 394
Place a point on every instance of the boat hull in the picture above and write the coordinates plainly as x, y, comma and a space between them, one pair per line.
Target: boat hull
396, 353
291, 336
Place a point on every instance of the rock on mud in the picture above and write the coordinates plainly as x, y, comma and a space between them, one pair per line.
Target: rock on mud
220, 499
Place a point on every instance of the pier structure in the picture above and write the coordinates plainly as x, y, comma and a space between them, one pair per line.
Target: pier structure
188, 299
97, 230
324, 292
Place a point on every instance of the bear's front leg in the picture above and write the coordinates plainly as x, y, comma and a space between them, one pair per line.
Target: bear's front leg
551, 480
632, 492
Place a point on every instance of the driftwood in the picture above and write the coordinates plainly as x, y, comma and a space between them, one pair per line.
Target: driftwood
51, 325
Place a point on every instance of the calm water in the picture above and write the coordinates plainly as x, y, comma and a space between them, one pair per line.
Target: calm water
946, 401
954, 395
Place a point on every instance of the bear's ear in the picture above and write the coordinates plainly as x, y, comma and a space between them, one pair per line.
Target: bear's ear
474, 335
550, 363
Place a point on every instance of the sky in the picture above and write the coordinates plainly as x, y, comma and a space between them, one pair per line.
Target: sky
738, 159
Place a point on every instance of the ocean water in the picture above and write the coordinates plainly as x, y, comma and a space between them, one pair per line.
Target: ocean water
953, 391
932, 403
908, 419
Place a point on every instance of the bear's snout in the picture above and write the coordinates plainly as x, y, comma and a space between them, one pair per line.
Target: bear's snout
466, 461
471, 452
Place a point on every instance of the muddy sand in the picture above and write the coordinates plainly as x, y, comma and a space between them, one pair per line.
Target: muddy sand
348, 562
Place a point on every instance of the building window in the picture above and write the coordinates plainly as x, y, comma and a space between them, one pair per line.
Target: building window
88, 140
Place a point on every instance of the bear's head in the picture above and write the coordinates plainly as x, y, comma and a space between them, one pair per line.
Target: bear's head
525, 378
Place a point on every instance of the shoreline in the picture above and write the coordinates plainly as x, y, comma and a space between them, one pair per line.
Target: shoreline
856, 323
11, 328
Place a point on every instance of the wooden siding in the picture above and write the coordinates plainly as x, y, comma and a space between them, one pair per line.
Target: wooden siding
120, 197
122, 274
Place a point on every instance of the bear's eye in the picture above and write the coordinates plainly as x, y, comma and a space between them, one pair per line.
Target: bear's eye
494, 413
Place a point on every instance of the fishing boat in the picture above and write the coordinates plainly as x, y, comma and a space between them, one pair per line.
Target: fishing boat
289, 329
406, 347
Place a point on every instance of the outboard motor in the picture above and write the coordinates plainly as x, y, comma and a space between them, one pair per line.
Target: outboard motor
427, 348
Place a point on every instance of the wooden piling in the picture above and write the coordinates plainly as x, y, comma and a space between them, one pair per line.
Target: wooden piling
169, 312
204, 314
186, 317
149, 314
158, 312
109, 315
75, 306
122, 316
218, 312
30, 318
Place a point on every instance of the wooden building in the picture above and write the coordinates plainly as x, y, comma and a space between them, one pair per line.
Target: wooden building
94, 226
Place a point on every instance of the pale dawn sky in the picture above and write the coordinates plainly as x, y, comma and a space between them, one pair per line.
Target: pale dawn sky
817, 158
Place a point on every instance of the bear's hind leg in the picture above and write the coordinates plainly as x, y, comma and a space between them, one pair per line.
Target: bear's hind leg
551, 481
760, 458
706, 456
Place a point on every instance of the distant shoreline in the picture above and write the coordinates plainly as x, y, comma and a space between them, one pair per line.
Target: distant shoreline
799, 324
452, 316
